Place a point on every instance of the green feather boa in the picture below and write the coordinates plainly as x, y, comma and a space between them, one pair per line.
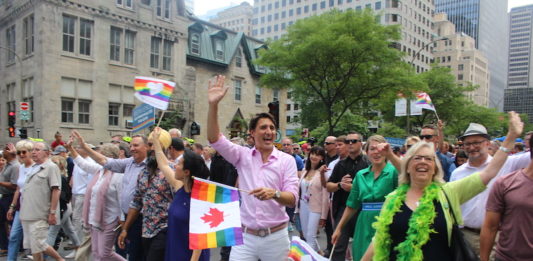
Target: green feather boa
419, 225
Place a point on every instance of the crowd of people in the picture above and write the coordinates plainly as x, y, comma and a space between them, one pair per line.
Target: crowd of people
129, 199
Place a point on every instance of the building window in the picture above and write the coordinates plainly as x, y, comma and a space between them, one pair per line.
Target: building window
167, 55
195, 44
460, 67
84, 35
238, 89
219, 49
11, 44
275, 95
154, 52
114, 110
125, 3
296, 107
27, 94
84, 111
257, 95
460, 77
238, 58
28, 26
114, 52
288, 118
288, 107
378, 6
163, 8
68, 33
129, 47
67, 110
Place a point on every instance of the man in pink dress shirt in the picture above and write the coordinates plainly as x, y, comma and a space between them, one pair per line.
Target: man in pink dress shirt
267, 173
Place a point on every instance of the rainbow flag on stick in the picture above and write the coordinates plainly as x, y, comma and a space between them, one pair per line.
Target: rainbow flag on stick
423, 101
215, 217
152, 91
301, 251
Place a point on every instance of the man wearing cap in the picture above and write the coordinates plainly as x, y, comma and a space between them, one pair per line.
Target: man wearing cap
476, 142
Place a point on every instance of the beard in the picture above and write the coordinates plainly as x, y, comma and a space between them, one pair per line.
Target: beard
151, 162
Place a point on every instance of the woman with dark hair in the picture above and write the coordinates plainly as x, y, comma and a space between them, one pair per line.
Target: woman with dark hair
369, 188
314, 198
181, 181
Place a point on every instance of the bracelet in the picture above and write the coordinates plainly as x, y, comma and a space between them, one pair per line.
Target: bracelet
12, 206
504, 149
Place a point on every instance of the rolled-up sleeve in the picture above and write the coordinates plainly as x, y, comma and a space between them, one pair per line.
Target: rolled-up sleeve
230, 151
117, 165
290, 178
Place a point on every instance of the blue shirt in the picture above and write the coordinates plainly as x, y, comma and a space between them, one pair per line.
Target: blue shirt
445, 162
299, 162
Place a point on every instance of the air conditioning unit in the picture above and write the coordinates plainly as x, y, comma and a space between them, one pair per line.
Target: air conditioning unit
129, 124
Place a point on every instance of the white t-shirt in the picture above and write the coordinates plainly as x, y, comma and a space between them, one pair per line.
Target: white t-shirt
473, 211
112, 205
81, 178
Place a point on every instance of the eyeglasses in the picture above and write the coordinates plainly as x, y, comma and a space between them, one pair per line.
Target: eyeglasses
426, 137
21, 152
354, 141
419, 158
474, 143
328, 143
296, 149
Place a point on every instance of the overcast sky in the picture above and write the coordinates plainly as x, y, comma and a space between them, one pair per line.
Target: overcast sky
201, 7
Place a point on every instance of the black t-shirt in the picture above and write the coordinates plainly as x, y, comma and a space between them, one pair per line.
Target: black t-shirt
222, 171
436, 249
343, 167
330, 159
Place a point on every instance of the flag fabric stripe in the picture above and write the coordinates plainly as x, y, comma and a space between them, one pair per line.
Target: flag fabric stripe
300, 249
152, 91
140, 126
214, 219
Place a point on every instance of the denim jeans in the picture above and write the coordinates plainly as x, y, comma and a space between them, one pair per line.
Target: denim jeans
15, 238
67, 226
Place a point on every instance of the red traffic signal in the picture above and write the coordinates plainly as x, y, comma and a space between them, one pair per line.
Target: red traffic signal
11, 113
11, 131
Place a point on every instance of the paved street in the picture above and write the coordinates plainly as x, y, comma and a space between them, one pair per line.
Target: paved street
215, 253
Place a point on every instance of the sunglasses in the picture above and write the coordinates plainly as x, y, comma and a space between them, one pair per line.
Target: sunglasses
426, 137
329, 143
296, 149
21, 152
354, 141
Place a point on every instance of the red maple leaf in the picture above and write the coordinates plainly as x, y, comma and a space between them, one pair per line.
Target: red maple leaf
214, 217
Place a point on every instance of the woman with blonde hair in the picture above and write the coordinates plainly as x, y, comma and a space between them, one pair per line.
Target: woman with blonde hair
369, 188
416, 220
23, 150
101, 207
65, 209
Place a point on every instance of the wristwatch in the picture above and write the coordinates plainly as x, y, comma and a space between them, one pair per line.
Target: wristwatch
339, 185
52, 212
277, 194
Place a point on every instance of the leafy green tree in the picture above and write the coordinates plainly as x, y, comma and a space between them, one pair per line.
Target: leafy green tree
348, 122
391, 130
335, 62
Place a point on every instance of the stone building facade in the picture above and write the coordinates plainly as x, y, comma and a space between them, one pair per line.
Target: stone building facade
458, 52
75, 61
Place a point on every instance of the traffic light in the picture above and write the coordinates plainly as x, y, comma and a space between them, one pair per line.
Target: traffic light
273, 108
11, 123
23, 133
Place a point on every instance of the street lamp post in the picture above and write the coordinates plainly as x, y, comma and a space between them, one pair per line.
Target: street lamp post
408, 106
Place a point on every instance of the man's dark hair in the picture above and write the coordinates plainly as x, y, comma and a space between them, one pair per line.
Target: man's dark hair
341, 138
198, 146
257, 117
177, 144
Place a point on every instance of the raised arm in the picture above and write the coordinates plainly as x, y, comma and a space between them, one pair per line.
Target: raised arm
215, 93
99, 158
162, 161
515, 129
386, 150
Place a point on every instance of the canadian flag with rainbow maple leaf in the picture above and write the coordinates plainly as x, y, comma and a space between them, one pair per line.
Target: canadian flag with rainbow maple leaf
215, 219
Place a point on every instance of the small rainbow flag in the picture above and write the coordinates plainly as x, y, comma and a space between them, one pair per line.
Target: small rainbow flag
215, 218
155, 92
301, 251
424, 101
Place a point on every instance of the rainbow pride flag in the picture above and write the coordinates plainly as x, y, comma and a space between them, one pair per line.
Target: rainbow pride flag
424, 101
215, 217
152, 91
301, 251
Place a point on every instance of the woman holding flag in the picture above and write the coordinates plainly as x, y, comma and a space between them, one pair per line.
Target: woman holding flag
180, 181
